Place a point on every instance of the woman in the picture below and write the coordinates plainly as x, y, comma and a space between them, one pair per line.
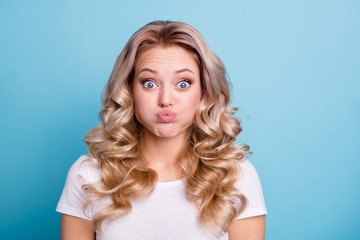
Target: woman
163, 163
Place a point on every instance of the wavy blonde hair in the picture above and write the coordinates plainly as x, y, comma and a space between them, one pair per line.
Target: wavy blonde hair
210, 162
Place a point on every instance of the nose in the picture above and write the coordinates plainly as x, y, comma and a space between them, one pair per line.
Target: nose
166, 97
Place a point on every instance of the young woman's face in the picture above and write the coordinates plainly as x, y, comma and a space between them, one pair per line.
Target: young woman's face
167, 91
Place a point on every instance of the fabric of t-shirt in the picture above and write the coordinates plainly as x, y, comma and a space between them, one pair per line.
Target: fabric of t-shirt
165, 214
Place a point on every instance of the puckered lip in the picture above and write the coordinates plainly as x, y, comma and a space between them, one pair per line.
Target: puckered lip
166, 116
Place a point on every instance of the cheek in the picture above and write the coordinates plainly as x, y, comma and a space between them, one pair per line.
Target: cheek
140, 99
144, 107
138, 104
195, 98
192, 103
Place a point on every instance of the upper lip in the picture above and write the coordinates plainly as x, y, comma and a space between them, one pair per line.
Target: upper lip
166, 112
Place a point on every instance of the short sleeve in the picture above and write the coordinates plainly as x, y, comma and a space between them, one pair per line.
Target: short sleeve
249, 185
73, 196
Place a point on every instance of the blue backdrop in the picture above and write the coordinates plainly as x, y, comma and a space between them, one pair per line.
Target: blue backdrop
295, 70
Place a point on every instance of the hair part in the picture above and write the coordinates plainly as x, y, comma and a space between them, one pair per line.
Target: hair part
210, 161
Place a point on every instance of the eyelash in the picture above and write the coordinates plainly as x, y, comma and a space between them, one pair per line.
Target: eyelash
147, 80
188, 81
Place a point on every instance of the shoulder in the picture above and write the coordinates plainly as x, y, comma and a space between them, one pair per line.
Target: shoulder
250, 186
86, 169
83, 171
248, 173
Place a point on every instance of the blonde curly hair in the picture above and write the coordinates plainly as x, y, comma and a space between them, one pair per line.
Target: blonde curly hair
210, 162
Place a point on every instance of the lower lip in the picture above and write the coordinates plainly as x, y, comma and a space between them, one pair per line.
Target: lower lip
166, 117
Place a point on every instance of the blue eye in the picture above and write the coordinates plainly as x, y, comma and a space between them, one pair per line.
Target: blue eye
149, 84
184, 84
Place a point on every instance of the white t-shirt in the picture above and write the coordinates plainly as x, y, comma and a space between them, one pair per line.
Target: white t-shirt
165, 214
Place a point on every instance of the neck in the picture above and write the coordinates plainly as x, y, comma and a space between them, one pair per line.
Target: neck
163, 154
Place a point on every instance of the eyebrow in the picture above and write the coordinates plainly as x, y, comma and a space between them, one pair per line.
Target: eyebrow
178, 71
147, 70
185, 70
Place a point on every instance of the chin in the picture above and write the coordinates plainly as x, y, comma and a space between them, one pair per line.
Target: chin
167, 130
165, 134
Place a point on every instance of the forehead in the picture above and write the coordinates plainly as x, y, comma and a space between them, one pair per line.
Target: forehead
167, 57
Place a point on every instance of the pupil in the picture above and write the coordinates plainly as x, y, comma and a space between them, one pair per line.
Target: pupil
182, 85
150, 85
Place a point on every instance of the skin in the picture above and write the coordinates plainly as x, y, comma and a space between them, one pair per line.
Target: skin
252, 228
74, 228
166, 78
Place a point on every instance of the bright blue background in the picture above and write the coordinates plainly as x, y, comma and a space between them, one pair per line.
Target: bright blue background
295, 70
